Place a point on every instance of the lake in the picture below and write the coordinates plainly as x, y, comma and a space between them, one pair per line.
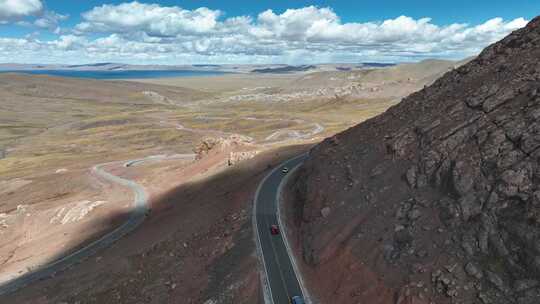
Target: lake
124, 74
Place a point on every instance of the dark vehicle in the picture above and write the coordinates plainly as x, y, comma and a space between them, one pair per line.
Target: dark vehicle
297, 300
274, 230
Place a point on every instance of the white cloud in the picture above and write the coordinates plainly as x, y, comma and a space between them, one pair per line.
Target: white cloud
152, 33
69, 42
50, 20
152, 19
294, 24
30, 13
16, 9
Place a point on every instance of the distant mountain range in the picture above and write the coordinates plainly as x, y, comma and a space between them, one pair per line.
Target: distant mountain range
286, 69
240, 68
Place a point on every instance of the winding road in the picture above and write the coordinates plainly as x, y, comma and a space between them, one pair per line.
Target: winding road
138, 215
135, 162
295, 134
274, 138
281, 276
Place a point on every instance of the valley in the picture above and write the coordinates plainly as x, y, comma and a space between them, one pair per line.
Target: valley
55, 130
269, 152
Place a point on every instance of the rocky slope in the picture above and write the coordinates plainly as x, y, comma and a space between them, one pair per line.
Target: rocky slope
438, 199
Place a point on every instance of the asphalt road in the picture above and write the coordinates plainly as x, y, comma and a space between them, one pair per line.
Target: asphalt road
137, 216
135, 162
279, 273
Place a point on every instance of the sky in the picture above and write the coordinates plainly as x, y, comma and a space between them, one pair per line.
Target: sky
261, 31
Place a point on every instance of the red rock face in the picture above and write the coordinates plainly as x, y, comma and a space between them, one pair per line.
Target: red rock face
440, 195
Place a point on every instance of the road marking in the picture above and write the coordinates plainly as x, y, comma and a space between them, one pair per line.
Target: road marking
264, 277
292, 257
277, 261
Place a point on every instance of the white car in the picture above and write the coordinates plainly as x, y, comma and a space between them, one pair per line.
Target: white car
285, 170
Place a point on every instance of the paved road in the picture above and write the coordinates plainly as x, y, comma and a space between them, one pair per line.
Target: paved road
138, 215
295, 134
280, 275
135, 162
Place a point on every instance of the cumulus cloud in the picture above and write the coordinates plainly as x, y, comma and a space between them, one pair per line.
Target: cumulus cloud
152, 19
16, 9
50, 20
312, 27
30, 13
169, 34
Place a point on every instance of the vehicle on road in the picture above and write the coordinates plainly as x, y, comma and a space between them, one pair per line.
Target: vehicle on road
274, 230
285, 170
297, 300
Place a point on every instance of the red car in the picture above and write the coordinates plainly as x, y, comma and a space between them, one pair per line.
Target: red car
274, 229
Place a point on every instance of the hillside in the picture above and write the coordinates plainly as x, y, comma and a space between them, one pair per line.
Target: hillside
392, 82
54, 131
402, 72
437, 200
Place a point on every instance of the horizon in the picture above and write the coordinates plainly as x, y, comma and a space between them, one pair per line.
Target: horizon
98, 63
161, 32
85, 64
269, 152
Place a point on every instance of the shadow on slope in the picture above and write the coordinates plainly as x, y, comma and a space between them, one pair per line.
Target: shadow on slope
196, 245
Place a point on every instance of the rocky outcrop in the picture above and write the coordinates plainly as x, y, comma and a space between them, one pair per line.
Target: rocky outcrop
74, 212
237, 157
440, 195
156, 97
220, 144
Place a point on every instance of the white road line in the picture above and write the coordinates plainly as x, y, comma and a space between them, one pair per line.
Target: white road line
265, 280
283, 227
282, 279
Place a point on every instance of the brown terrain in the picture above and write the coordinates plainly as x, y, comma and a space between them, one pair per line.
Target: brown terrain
52, 132
197, 244
437, 200
197, 247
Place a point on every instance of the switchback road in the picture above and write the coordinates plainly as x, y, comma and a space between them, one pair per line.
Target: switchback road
140, 209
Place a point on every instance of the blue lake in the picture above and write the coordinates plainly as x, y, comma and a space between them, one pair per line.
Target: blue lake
126, 74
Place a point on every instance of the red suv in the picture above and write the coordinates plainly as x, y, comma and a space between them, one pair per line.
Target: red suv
274, 229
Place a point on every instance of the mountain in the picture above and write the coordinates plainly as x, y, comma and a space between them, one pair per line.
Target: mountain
399, 74
104, 66
237, 68
438, 199
285, 69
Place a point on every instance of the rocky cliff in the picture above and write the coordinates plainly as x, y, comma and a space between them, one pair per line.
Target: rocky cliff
438, 199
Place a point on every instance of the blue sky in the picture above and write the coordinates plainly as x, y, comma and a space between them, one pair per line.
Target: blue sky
443, 12
178, 32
